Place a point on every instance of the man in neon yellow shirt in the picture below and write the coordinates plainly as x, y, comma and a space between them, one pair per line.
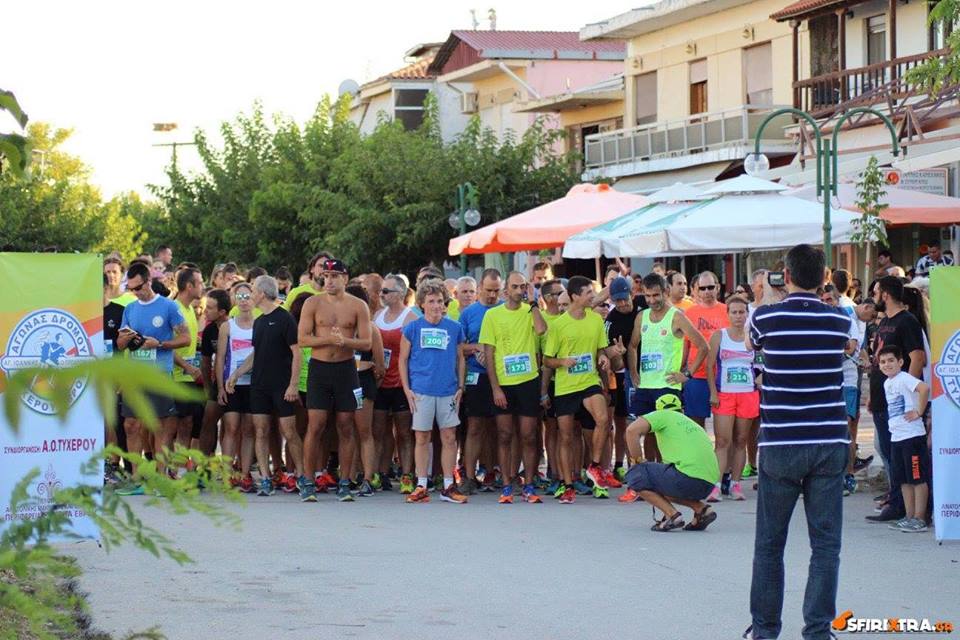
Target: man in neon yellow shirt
186, 360
688, 472
577, 348
464, 296
509, 335
315, 285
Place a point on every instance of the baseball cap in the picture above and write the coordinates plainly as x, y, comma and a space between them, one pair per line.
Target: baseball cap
668, 402
332, 264
620, 288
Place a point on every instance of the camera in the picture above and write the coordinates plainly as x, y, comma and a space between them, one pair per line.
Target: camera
136, 342
776, 279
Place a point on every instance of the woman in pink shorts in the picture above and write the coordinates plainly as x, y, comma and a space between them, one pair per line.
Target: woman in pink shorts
733, 395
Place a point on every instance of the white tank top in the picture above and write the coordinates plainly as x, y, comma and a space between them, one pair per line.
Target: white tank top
381, 319
735, 370
239, 348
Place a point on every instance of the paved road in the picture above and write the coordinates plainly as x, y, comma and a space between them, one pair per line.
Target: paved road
380, 568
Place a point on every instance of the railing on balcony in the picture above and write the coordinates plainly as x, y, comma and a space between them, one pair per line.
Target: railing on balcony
694, 134
823, 96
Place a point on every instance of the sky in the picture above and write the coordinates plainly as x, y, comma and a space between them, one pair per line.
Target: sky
109, 69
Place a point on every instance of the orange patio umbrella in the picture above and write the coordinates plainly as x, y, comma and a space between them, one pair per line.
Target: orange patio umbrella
549, 225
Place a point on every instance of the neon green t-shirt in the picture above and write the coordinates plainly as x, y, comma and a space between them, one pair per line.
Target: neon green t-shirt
684, 444
124, 298
661, 352
579, 339
189, 352
550, 319
453, 309
512, 335
304, 369
235, 311
309, 287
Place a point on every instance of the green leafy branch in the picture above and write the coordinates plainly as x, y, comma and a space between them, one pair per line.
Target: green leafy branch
14, 148
870, 227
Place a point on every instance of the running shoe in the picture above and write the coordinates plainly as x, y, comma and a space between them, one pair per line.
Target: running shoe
554, 487
406, 484
530, 494
290, 484
849, 484
277, 477
916, 525
725, 484
343, 491
715, 495
601, 493
386, 484
861, 463
130, 490
497, 479
266, 488
487, 484
246, 484
748, 471
481, 473
619, 473
308, 491
568, 497
419, 495
451, 494
629, 496
736, 491
541, 482
437, 482
506, 495
468, 487
326, 480
365, 490
596, 475
900, 524
581, 488
611, 480
375, 483
558, 492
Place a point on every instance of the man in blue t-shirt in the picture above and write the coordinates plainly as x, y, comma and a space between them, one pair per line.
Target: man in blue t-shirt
152, 327
433, 371
478, 395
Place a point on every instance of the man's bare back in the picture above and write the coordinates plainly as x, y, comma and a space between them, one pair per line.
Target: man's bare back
328, 324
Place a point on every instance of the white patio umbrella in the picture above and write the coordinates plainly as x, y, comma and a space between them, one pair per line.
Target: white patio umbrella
732, 223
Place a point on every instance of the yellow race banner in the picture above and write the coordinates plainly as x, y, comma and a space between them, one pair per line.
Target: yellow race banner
945, 347
51, 315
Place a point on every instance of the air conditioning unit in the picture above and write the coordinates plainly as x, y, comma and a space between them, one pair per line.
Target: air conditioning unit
469, 102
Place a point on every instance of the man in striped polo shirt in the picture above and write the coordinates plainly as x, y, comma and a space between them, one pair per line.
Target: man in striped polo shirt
803, 440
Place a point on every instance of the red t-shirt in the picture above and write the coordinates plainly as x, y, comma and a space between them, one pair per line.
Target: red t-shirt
706, 320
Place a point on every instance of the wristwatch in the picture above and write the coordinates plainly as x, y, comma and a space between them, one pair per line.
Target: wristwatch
685, 372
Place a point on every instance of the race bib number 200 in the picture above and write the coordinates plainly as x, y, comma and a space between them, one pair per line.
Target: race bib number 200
433, 339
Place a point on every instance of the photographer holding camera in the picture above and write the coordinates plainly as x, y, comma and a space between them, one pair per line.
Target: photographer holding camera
152, 327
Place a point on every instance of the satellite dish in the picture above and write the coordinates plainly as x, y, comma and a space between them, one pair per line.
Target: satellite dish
348, 86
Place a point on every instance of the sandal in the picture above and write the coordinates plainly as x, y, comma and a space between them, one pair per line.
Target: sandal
702, 519
669, 524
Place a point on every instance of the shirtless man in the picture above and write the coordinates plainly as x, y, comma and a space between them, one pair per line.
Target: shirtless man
333, 326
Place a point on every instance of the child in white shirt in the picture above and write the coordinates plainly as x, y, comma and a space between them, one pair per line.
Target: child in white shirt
909, 457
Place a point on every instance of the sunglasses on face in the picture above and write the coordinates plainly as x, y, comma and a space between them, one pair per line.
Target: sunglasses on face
708, 287
138, 287
385, 292
242, 296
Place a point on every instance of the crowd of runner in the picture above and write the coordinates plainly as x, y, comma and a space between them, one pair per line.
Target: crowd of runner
525, 385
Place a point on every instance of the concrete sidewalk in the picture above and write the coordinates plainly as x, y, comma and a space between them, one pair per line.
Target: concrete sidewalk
380, 568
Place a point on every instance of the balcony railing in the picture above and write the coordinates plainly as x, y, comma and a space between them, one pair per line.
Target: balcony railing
823, 96
694, 134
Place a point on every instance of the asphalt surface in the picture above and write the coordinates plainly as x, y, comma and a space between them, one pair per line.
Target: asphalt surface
380, 568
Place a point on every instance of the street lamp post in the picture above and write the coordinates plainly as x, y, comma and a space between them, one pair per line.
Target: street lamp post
826, 149
465, 215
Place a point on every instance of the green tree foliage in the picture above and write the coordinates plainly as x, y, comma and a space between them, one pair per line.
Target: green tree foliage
936, 73
14, 148
32, 601
274, 194
122, 230
55, 204
870, 227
